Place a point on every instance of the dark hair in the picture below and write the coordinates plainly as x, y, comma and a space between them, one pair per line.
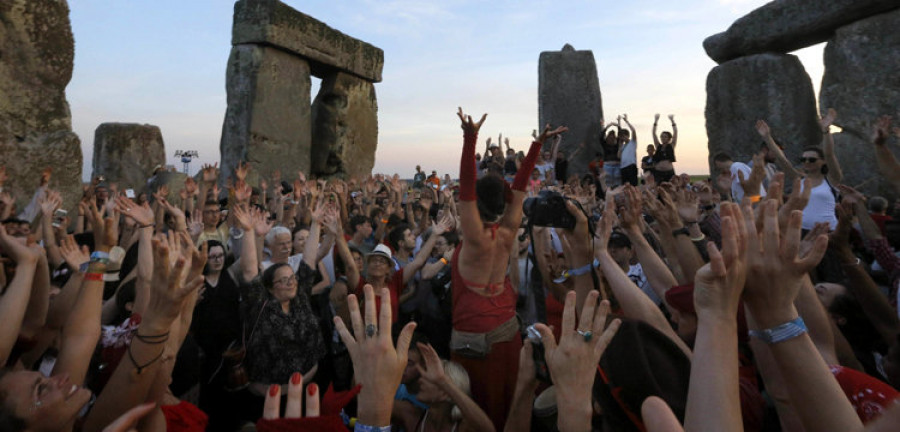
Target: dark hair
491, 200
209, 245
452, 237
268, 276
396, 236
722, 157
357, 220
878, 204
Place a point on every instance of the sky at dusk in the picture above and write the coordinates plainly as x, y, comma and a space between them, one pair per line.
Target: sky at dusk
163, 63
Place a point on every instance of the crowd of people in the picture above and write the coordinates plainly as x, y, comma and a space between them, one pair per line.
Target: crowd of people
517, 297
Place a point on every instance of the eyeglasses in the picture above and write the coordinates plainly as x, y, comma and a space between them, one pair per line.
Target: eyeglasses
809, 159
285, 281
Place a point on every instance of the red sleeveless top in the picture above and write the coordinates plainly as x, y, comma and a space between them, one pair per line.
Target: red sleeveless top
475, 313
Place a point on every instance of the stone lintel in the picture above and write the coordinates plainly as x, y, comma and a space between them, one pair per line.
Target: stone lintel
271, 22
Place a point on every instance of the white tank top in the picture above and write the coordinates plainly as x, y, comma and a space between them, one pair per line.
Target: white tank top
820, 207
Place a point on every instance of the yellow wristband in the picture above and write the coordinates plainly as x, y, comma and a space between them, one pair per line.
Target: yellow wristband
755, 199
444, 260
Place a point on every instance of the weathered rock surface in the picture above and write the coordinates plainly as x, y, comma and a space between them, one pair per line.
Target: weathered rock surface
268, 118
271, 22
345, 127
569, 95
772, 87
25, 158
126, 153
861, 83
861, 78
786, 25
36, 58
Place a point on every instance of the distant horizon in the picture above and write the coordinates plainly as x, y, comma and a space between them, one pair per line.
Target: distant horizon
164, 64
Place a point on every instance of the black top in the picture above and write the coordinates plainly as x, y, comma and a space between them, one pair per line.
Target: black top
216, 322
560, 168
610, 151
283, 343
664, 152
509, 167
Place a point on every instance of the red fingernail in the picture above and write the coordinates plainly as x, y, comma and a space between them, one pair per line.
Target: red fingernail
273, 390
312, 389
295, 378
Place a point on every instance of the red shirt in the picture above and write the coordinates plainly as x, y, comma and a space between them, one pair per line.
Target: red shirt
395, 286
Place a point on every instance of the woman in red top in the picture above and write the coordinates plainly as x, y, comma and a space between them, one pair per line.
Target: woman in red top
490, 213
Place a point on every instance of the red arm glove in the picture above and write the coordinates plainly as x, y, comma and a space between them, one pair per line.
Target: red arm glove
527, 167
467, 171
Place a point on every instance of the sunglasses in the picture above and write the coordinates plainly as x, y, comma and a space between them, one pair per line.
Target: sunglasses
809, 159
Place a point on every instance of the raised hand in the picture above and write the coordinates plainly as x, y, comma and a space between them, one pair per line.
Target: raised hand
72, 254
827, 120
882, 130
763, 129
209, 173
548, 133
242, 191
672, 118
655, 117
377, 364
242, 217
142, 214
576, 356
51, 201
719, 283
195, 225
161, 192
751, 185
776, 267
796, 202
45, 176
261, 223
433, 371
446, 224
190, 187
241, 170
468, 126
169, 288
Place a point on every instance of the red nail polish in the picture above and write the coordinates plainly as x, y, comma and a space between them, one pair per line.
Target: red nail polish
312, 389
273, 390
295, 378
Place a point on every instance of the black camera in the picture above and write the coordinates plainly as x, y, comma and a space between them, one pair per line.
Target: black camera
548, 209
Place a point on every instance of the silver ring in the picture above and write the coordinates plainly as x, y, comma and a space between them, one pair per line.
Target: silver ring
587, 335
371, 330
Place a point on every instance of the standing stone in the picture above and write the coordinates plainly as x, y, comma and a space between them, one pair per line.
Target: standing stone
569, 95
787, 25
771, 87
345, 127
861, 83
36, 57
126, 153
268, 117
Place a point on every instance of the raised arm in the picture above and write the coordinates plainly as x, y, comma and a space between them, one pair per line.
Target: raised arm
249, 264
888, 166
51, 201
766, 133
634, 302
81, 331
447, 223
630, 127
513, 216
15, 299
776, 269
674, 130
714, 367
655, 136
473, 417
835, 175
470, 219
